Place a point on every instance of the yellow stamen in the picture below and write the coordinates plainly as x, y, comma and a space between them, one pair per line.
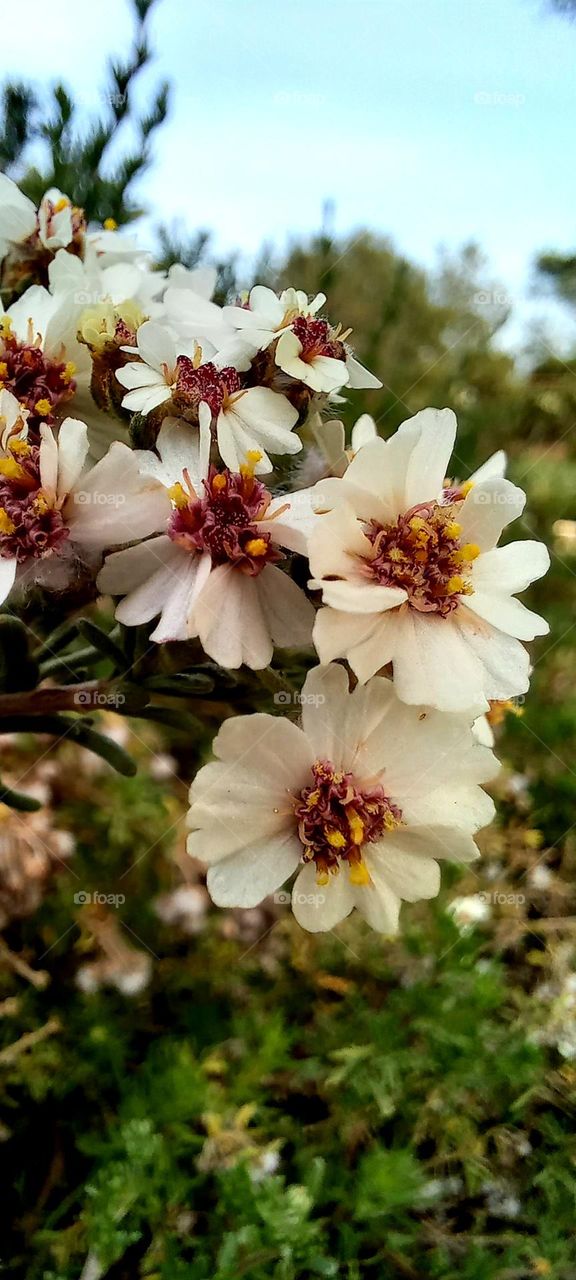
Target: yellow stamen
359, 874
466, 487
356, 826
253, 456
43, 407
5, 324
40, 504
19, 446
453, 529
335, 839
69, 372
219, 482
322, 878
177, 495
110, 224
3, 368
61, 204
455, 585
470, 551
11, 469
256, 547
6, 524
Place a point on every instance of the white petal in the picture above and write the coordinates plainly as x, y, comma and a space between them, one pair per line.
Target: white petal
156, 345
177, 617
408, 865
433, 664
72, 452
338, 545
274, 748
505, 662
377, 902
168, 585
293, 528
133, 376
231, 809
114, 503
245, 878
318, 908
359, 597
507, 614
7, 576
123, 571
359, 377
511, 568
48, 459
430, 456
487, 509
494, 466
364, 432
288, 613
229, 620
266, 417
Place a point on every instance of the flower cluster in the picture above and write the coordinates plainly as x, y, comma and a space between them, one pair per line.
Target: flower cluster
384, 563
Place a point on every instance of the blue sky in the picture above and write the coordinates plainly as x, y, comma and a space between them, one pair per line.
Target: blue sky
432, 121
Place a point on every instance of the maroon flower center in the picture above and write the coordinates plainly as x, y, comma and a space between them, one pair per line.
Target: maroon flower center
314, 338
38, 382
204, 383
336, 818
30, 526
422, 553
224, 522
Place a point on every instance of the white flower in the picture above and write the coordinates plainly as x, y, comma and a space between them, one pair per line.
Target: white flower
363, 800
266, 315
53, 222
52, 514
253, 419
307, 349
410, 573
212, 572
469, 910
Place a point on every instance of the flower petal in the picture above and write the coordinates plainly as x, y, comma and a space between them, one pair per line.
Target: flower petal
319, 908
245, 878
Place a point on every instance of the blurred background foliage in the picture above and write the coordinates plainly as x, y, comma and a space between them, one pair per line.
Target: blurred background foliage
191, 1093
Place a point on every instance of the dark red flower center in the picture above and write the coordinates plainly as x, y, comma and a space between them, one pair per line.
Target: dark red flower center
314, 337
204, 382
423, 554
224, 521
336, 818
38, 382
31, 527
